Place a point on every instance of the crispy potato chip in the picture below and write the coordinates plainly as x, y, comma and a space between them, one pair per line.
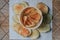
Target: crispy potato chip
18, 7
41, 6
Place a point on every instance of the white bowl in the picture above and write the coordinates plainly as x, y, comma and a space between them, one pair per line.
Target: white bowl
38, 24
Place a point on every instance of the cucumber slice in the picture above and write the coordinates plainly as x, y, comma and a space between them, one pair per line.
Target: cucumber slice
18, 7
25, 4
16, 27
43, 7
47, 18
35, 34
44, 28
15, 18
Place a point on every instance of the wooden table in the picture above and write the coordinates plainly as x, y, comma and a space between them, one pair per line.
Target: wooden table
4, 20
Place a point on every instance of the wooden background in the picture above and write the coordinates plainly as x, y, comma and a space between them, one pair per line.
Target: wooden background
4, 20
